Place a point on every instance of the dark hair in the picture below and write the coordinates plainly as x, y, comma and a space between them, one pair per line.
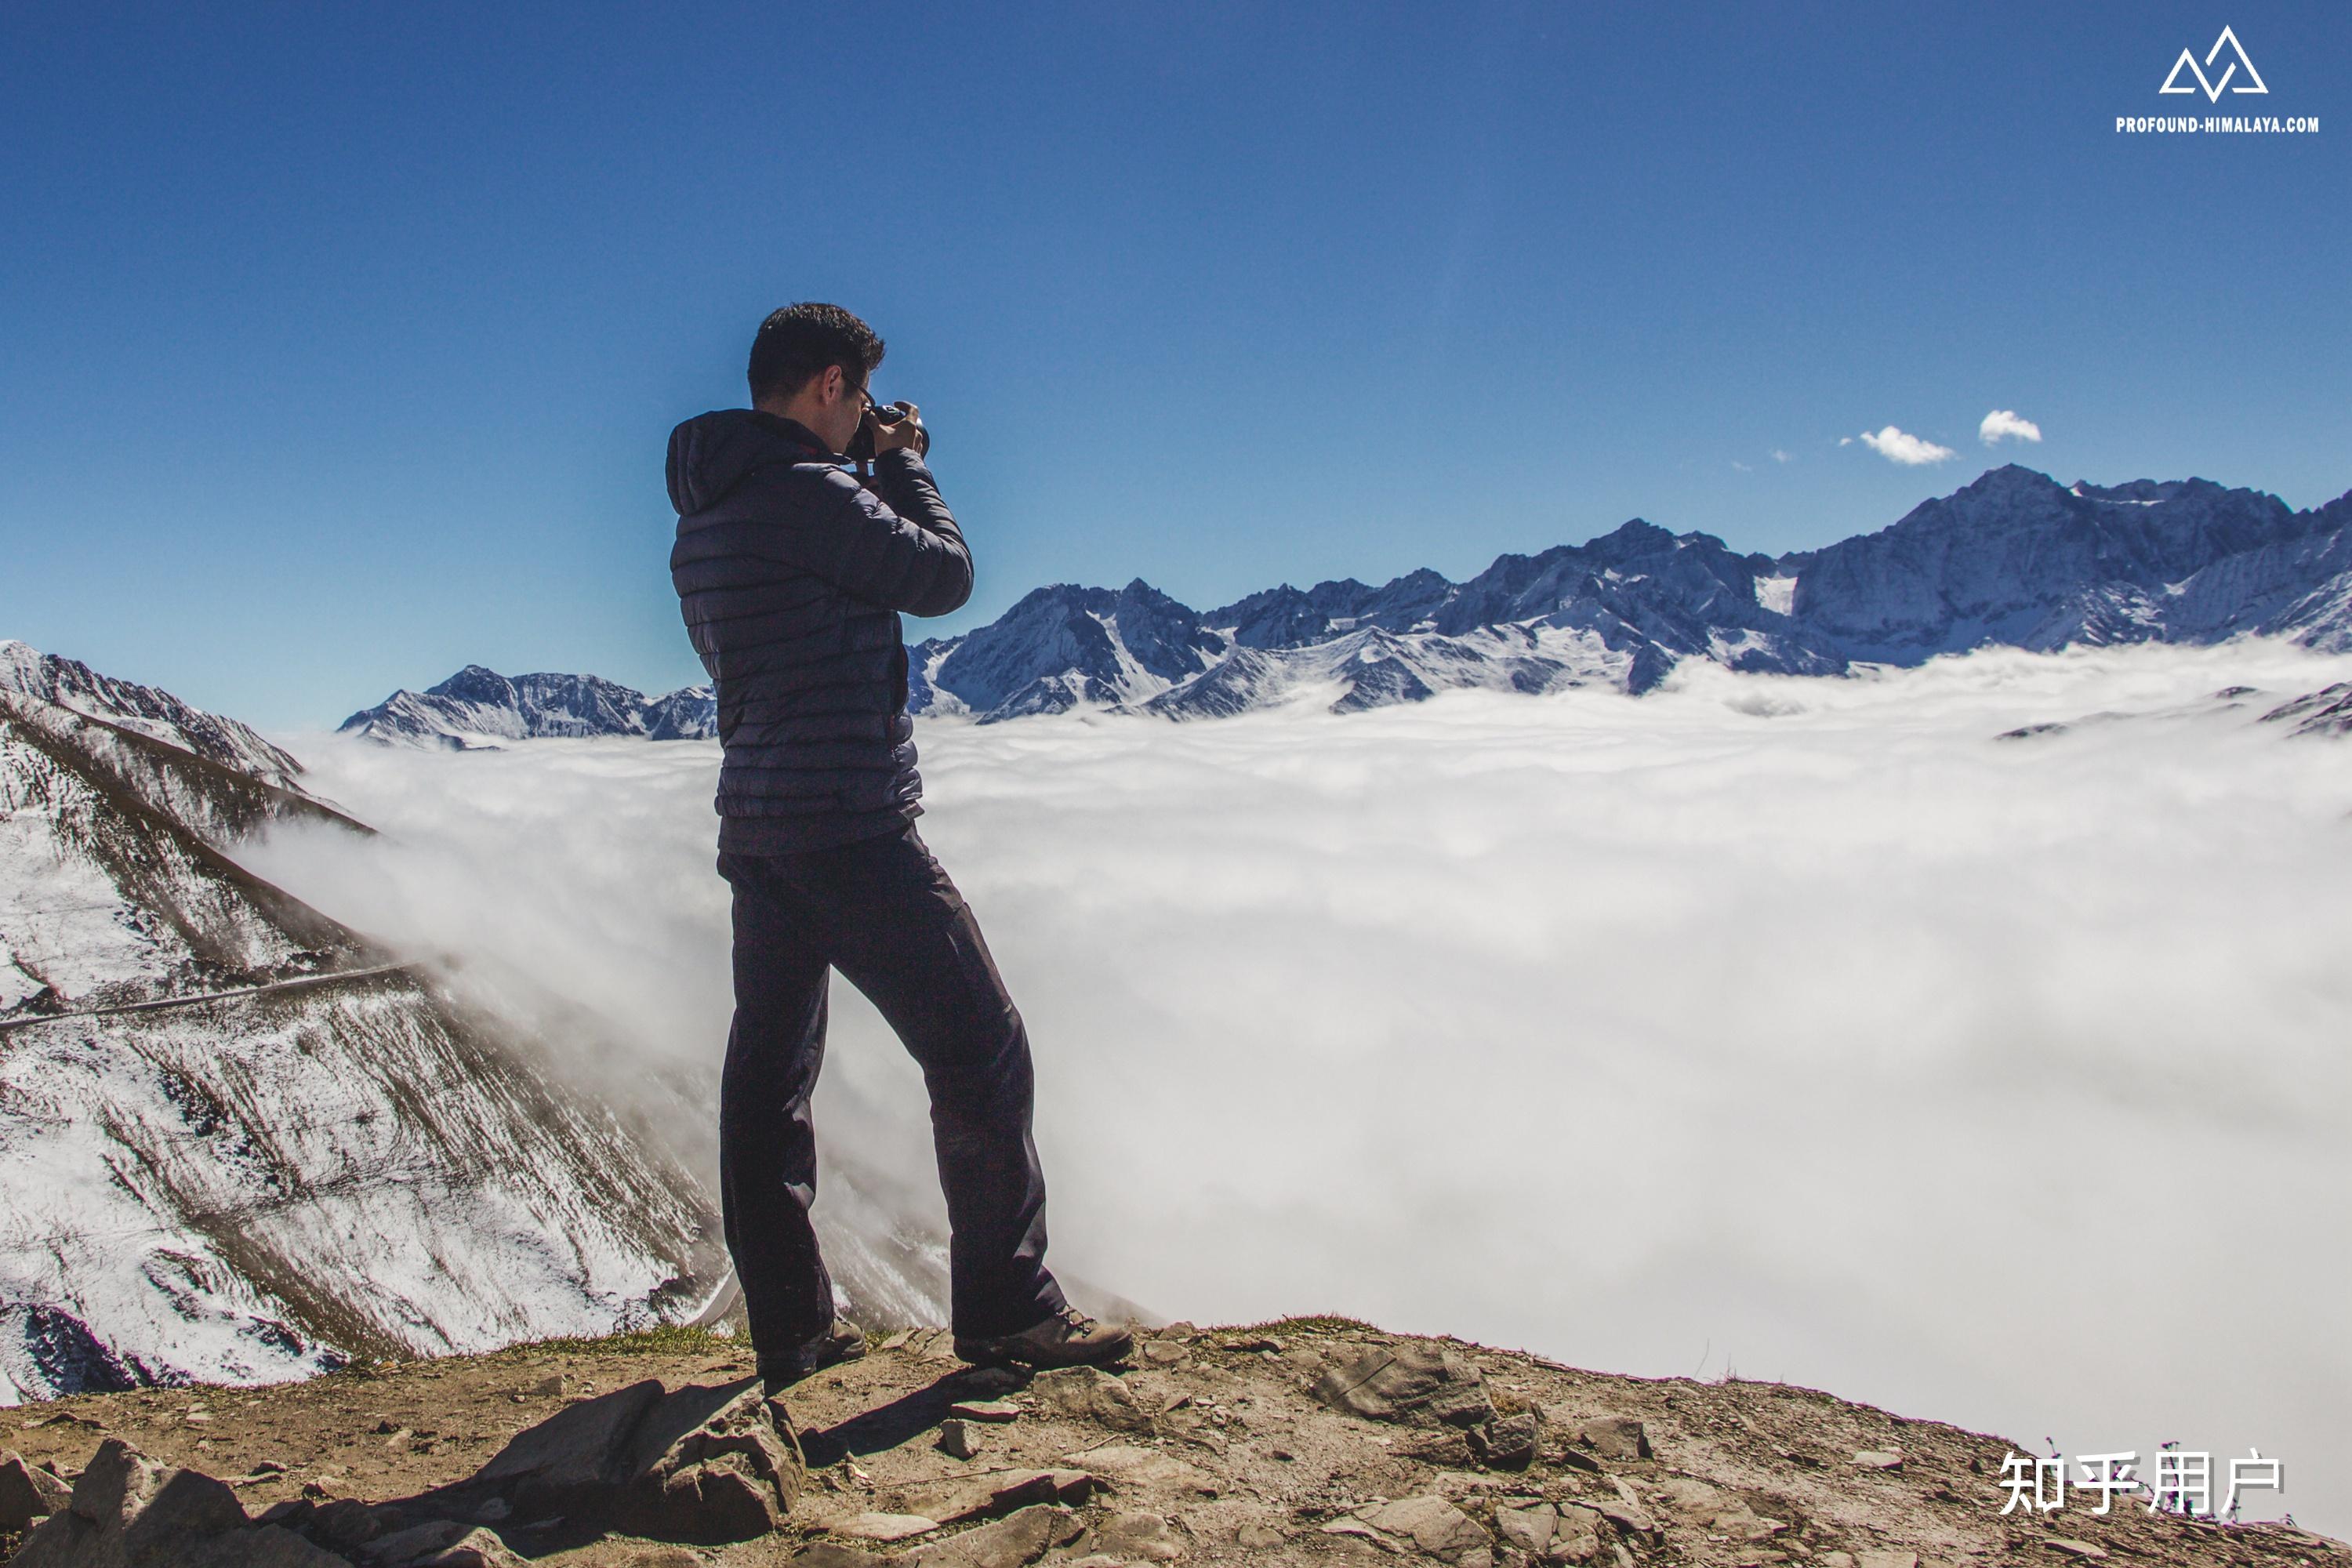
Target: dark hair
796, 344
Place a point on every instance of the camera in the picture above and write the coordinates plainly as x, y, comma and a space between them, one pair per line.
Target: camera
861, 444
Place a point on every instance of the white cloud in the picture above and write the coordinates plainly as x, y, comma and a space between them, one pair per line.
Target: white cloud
2008, 422
1498, 1017
1901, 446
1780, 457
1845, 440
1743, 467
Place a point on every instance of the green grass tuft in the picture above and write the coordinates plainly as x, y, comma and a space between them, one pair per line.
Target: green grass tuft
671, 1339
1312, 1324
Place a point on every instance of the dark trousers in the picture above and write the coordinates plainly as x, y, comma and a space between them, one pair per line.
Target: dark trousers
883, 911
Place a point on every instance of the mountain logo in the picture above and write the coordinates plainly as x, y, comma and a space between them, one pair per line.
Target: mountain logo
2213, 87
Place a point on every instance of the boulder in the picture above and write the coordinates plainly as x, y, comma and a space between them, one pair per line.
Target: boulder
1506, 1443
1414, 1382
706, 1463
343, 1525
580, 1447
402, 1547
27, 1493
711, 1465
128, 1512
444, 1543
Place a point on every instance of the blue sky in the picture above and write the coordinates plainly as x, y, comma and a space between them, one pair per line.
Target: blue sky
342, 344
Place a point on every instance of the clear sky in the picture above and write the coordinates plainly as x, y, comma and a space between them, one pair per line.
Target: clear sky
339, 346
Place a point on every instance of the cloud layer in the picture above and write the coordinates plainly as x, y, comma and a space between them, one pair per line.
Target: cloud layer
1785, 1026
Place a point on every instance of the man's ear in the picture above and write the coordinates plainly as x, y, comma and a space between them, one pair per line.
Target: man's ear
834, 386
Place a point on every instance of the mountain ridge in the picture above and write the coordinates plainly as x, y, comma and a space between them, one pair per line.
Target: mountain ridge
478, 707
2012, 558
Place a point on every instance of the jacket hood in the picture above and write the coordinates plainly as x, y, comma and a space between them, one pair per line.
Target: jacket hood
712, 453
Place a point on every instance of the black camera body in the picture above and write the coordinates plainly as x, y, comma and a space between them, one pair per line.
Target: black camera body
861, 444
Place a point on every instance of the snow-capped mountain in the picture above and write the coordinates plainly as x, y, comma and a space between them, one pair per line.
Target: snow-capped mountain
2014, 558
241, 1142
2017, 559
479, 706
157, 714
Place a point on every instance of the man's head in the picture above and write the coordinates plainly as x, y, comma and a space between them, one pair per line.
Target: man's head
811, 363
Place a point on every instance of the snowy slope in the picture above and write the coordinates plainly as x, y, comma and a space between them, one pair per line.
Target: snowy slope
238, 1140
257, 1187
146, 710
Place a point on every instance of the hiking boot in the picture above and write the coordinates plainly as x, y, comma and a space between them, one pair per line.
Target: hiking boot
1068, 1338
843, 1342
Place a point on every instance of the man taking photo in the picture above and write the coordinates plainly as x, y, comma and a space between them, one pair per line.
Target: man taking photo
792, 574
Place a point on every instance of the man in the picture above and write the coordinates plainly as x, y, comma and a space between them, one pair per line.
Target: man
792, 575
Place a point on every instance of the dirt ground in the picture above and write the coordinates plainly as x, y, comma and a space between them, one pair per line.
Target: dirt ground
1209, 1447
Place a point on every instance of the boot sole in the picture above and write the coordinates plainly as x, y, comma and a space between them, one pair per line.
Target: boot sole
848, 1353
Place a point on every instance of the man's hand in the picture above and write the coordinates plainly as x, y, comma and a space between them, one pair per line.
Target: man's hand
906, 432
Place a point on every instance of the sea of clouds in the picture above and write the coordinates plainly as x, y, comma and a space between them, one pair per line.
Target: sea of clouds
1795, 1029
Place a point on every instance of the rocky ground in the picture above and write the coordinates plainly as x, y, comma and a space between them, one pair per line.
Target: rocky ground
1304, 1441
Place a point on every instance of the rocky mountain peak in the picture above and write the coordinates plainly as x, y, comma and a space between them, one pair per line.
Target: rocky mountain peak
147, 711
478, 707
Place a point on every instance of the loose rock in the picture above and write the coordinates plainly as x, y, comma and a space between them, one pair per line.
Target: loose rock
1577, 1539
1091, 1394
28, 1493
883, 1526
960, 1438
1507, 1443
991, 1410
1615, 1438
1137, 1535
1414, 1382
1528, 1529
1432, 1526
1012, 1542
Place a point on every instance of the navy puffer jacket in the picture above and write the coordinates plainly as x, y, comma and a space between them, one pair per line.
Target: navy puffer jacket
792, 575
